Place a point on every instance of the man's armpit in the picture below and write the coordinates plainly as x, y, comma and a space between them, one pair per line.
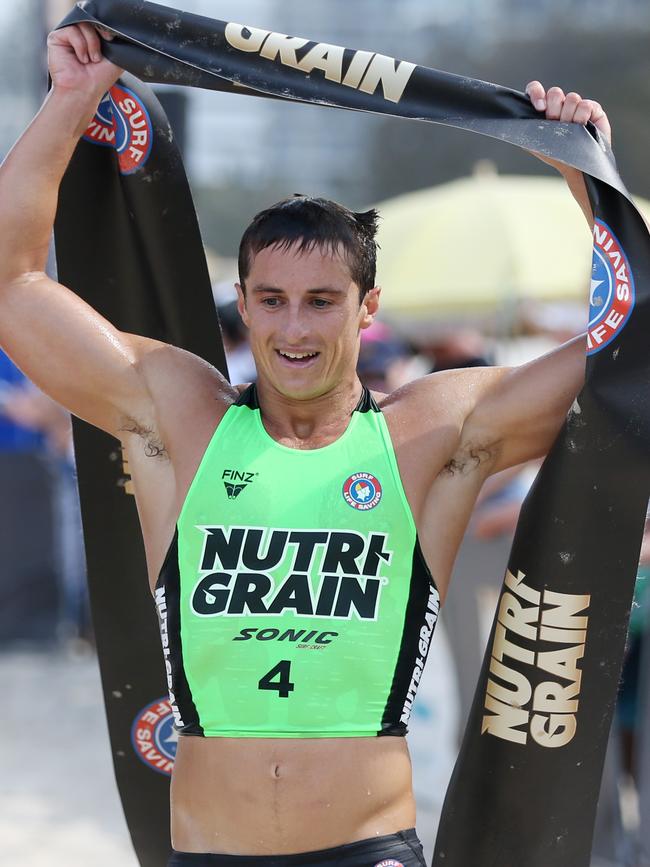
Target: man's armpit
151, 441
469, 459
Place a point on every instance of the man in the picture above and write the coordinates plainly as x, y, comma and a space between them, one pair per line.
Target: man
306, 587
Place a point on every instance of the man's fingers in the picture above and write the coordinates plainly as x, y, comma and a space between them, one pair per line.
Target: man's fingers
587, 110
537, 94
76, 39
554, 103
584, 112
105, 34
569, 108
601, 121
571, 103
93, 44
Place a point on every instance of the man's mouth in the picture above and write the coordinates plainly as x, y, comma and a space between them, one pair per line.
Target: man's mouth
297, 359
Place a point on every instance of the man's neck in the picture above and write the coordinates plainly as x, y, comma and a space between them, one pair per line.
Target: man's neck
312, 422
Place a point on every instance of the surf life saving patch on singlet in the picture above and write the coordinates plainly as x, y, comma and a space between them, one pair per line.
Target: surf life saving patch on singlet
283, 611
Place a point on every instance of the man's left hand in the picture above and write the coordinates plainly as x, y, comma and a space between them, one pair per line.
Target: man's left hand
569, 107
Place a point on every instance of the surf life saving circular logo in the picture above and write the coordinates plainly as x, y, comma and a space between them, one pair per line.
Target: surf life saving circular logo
362, 491
390, 863
122, 122
154, 737
612, 296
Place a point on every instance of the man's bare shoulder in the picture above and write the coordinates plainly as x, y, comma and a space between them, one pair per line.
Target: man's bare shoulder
427, 419
186, 392
448, 396
167, 368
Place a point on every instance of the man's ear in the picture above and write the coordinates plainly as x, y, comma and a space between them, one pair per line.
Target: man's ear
369, 307
241, 304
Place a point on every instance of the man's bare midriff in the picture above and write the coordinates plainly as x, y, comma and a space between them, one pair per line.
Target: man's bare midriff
260, 796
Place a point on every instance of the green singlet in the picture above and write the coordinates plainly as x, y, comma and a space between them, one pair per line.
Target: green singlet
294, 600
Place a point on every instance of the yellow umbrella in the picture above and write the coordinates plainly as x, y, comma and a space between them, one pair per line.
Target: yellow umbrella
477, 244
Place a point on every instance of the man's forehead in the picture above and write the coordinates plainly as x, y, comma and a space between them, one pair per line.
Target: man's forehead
282, 257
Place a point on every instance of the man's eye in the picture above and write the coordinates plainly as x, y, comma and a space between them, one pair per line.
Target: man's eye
270, 302
321, 302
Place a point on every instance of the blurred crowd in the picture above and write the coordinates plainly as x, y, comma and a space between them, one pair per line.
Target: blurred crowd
43, 585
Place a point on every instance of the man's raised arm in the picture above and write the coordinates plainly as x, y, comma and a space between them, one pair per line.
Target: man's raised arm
516, 413
63, 345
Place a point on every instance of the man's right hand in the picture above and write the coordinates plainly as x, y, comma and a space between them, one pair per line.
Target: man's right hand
76, 63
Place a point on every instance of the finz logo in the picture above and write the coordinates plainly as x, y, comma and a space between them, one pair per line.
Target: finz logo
235, 481
612, 289
123, 123
154, 737
362, 491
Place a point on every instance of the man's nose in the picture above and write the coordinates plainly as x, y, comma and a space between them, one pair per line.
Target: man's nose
296, 326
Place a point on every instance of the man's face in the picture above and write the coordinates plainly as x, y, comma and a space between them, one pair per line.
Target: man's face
304, 319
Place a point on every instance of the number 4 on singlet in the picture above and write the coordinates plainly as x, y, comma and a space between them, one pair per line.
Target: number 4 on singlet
278, 679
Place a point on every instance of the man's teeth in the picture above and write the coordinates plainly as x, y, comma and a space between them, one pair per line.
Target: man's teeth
298, 355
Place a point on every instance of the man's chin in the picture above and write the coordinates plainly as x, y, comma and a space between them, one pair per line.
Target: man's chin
300, 392
299, 387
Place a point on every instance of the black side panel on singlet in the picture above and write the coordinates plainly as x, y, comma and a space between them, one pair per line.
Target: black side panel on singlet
169, 619
423, 596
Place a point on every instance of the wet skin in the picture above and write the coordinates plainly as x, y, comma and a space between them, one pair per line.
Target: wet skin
449, 431
262, 796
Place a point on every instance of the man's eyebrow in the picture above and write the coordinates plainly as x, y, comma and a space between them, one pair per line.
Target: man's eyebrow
324, 290
263, 288
327, 290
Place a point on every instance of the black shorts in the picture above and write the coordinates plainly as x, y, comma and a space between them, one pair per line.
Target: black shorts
394, 850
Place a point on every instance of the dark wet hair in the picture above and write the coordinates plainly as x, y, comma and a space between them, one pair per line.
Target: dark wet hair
307, 223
